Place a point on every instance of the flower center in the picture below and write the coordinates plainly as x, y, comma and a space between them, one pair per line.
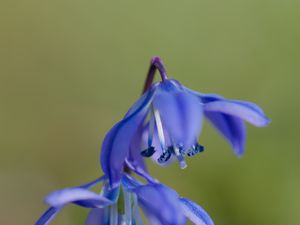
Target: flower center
155, 124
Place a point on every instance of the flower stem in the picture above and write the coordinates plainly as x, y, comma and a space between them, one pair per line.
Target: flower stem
155, 64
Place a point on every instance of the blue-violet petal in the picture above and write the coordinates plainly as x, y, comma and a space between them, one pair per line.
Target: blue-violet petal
243, 110
195, 213
78, 196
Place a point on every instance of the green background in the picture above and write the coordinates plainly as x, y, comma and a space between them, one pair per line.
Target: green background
69, 70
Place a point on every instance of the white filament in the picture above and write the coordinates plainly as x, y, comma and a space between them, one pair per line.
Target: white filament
159, 129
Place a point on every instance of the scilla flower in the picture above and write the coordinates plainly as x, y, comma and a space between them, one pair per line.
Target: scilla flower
165, 124
121, 205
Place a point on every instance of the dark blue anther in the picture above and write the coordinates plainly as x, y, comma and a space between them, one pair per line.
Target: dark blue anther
171, 149
165, 156
195, 150
148, 152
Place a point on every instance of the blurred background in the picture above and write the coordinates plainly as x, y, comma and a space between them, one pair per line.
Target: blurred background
69, 70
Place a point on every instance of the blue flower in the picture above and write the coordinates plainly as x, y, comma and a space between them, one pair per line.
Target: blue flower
160, 204
166, 122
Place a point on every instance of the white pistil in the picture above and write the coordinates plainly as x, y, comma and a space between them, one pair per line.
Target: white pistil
179, 156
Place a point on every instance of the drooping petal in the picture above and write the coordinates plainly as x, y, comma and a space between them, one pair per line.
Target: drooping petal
195, 213
48, 216
160, 203
79, 196
116, 144
181, 113
243, 110
232, 128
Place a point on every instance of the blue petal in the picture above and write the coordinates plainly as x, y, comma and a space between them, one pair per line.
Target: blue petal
48, 216
232, 128
78, 196
161, 203
181, 114
97, 217
195, 213
116, 144
141, 100
206, 98
230, 125
135, 157
243, 110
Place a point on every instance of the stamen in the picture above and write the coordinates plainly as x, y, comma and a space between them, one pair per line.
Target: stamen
165, 156
180, 158
182, 151
148, 152
195, 150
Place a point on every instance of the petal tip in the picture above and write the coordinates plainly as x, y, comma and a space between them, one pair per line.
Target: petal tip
239, 151
265, 121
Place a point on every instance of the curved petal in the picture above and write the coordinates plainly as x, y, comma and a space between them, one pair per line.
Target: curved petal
243, 110
195, 213
48, 216
116, 144
205, 98
153, 195
232, 128
230, 125
180, 112
78, 196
